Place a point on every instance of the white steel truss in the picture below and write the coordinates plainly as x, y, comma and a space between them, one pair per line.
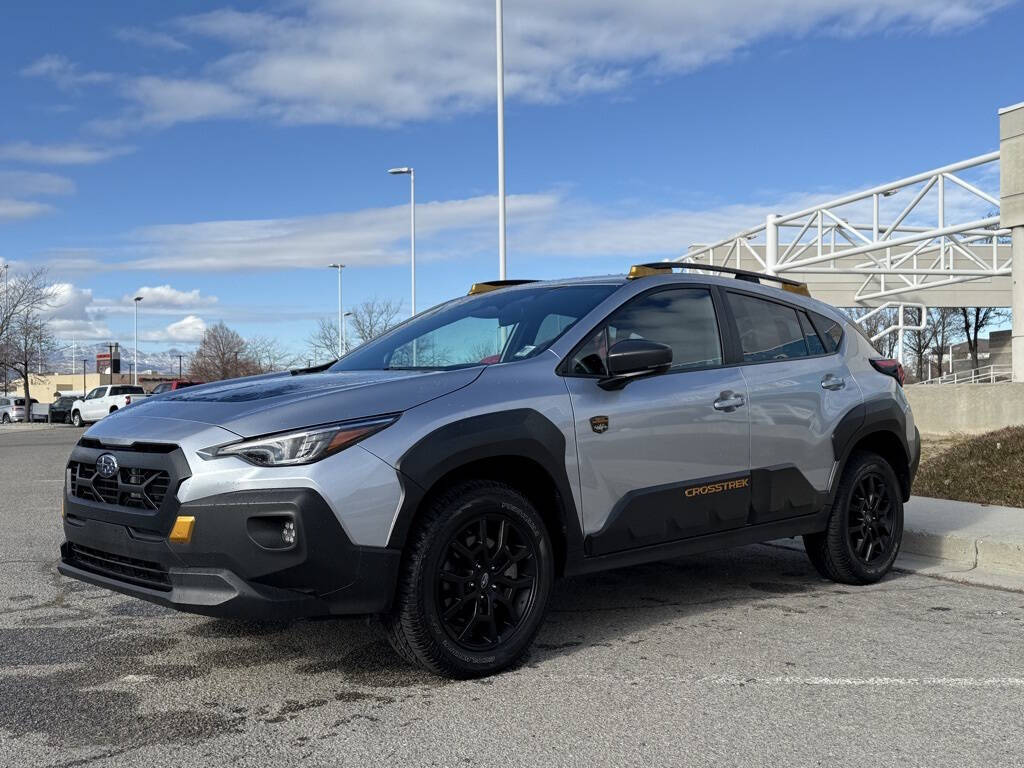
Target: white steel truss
927, 244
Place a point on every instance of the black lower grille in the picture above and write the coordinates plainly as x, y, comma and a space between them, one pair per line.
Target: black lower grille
141, 572
131, 487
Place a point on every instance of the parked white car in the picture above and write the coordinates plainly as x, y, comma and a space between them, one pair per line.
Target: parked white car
103, 401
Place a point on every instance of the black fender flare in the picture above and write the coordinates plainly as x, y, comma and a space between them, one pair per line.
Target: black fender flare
523, 433
882, 415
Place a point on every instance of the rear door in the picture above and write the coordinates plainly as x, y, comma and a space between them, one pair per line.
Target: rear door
798, 389
665, 457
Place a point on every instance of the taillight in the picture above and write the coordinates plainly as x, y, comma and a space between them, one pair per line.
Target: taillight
890, 367
128, 398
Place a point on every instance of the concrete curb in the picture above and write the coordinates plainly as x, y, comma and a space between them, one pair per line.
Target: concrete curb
958, 541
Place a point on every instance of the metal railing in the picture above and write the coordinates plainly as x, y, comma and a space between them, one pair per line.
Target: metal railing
989, 374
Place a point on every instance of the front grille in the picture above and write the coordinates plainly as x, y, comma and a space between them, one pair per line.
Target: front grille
132, 487
141, 572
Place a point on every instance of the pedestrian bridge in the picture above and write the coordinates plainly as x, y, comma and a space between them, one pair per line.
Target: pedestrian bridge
949, 237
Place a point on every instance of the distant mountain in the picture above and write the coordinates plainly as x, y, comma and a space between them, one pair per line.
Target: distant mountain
165, 362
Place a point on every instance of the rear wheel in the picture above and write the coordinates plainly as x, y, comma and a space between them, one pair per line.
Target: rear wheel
475, 584
76, 419
866, 525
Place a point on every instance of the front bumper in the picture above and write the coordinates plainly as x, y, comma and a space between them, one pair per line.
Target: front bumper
236, 563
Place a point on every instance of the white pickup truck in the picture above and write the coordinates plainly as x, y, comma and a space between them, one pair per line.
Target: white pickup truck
103, 401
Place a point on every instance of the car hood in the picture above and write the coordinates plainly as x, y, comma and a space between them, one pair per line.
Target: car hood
263, 404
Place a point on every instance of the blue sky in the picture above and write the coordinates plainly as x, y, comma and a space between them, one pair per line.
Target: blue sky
218, 157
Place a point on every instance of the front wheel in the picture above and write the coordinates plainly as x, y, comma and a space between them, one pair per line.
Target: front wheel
5, 419
475, 583
865, 528
76, 419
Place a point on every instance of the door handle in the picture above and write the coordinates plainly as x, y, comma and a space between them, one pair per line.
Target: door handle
729, 402
832, 382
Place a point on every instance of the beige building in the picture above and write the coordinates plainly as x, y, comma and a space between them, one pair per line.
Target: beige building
47, 387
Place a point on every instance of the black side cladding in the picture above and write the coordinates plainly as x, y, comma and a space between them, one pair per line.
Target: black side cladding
523, 433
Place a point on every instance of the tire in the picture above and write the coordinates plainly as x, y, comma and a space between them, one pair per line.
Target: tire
5, 419
76, 419
456, 613
865, 528
112, 409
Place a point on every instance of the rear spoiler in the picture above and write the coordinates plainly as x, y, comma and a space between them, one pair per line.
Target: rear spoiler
663, 267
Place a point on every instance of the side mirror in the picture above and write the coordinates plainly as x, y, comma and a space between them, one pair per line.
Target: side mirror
632, 358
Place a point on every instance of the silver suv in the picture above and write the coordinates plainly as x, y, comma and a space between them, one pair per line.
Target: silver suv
445, 474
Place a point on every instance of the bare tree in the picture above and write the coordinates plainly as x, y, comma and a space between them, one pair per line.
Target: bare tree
222, 354
28, 293
371, 318
29, 342
323, 342
944, 322
919, 343
268, 355
24, 298
974, 320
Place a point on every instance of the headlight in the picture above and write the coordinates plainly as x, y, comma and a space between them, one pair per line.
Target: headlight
302, 446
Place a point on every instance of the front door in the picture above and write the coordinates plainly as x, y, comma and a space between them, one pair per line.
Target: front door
90, 409
667, 456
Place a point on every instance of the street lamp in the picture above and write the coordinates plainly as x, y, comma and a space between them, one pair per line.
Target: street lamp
341, 321
135, 365
501, 137
411, 173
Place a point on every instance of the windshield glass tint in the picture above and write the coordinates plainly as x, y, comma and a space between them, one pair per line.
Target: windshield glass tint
500, 326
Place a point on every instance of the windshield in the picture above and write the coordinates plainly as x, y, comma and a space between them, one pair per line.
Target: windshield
496, 327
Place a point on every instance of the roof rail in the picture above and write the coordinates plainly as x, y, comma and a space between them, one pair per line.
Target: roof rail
493, 285
661, 267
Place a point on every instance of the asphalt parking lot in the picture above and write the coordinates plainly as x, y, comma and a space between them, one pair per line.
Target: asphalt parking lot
740, 658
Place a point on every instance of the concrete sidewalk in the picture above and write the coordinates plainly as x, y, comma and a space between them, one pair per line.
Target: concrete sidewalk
955, 540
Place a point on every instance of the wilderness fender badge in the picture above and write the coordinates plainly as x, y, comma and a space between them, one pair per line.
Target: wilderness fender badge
599, 424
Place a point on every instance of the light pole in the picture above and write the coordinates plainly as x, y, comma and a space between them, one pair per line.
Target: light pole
135, 364
501, 137
6, 312
411, 173
344, 335
341, 320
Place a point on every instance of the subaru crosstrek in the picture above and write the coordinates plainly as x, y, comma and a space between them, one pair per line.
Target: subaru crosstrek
443, 475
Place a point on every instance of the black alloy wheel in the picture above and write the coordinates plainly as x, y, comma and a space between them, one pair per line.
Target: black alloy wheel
870, 524
475, 581
865, 527
486, 582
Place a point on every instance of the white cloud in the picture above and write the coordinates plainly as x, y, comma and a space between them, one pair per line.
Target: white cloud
391, 61
16, 185
30, 183
63, 72
189, 329
73, 153
11, 209
150, 39
168, 298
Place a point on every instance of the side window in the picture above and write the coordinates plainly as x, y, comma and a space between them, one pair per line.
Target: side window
831, 331
98, 392
768, 331
682, 318
814, 344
